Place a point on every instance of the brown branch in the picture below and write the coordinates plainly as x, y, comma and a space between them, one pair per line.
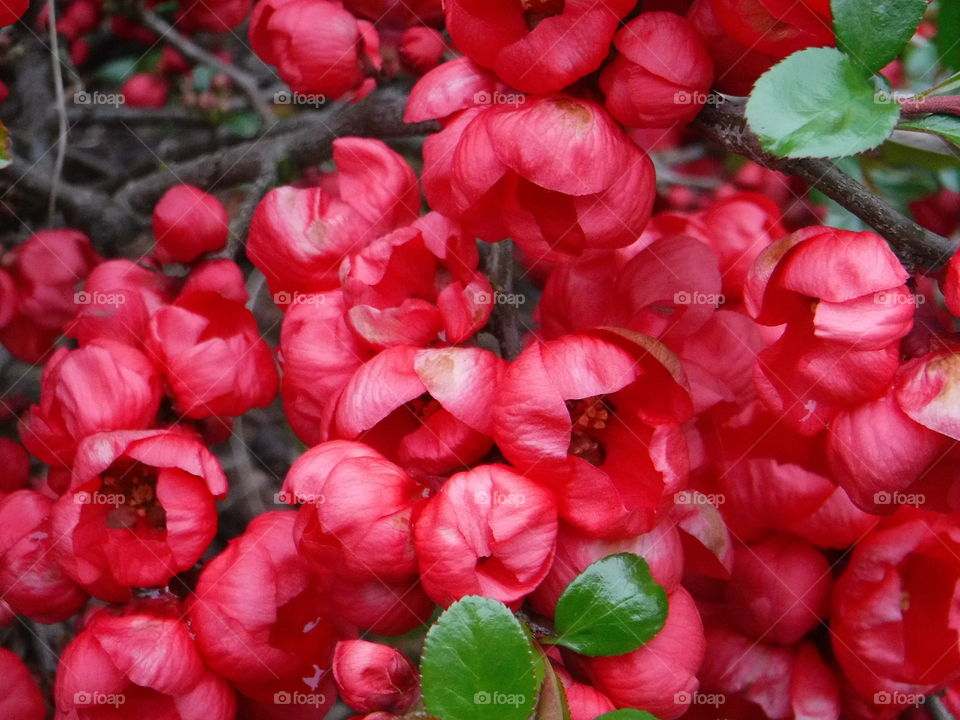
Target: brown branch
305, 140
722, 121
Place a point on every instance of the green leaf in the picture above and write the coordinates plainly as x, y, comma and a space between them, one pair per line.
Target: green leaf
5, 157
202, 76
118, 71
873, 32
243, 123
817, 103
612, 607
479, 663
948, 34
627, 715
552, 704
946, 126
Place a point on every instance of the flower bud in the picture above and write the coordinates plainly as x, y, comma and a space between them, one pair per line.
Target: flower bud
372, 677
187, 222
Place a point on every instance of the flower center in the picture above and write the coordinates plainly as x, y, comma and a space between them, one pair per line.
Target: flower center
589, 418
536, 11
133, 487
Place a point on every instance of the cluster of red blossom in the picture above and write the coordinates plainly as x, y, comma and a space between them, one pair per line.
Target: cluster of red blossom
762, 409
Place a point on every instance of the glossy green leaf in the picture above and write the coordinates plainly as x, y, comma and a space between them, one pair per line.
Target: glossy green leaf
946, 126
818, 103
627, 714
478, 663
948, 34
612, 607
873, 32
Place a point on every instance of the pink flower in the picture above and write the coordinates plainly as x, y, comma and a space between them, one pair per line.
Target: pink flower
258, 617
408, 287
553, 171
661, 74
30, 581
597, 417
21, 698
45, 271
490, 532
299, 236
187, 222
430, 410
357, 512
142, 662
140, 509
213, 358
372, 677
842, 297
893, 621
103, 386
538, 47
333, 56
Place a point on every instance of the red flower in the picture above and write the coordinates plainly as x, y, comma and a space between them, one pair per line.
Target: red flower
597, 416
490, 532
372, 677
661, 74
398, 13
408, 287
21, 698
139, 662
216, 16
16, 466
779, 590
546, 171
421, 48
30, 581
893, 621
258, 618
356, 514
299, 236
45, 272
319, 353
187, 222
538, 47
842, 297
331, 59
103, 386
214, 360
140, 509
660, 677
430, 410
380, 606
119, 298
145, 91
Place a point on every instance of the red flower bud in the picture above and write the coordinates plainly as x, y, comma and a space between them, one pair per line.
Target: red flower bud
661, 74
490, 532
187, 222
372, 677
421, 48
145, 90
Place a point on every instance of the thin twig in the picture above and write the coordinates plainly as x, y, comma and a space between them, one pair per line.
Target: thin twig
193, 51
506, 314
61, 112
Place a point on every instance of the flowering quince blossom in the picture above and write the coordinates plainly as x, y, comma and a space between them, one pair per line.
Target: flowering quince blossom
213, 358
334, 61
259, 618
37, 289
299, 236
103, 386
139, 509
188, 222
540, 46
142, 659
490, 532
531, 176
596, 416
